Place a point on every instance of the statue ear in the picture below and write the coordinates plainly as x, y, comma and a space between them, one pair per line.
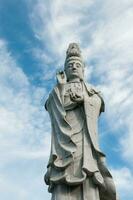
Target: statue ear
83, 70
82, 78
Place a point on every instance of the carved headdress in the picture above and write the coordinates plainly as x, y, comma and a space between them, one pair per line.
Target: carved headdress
73, 52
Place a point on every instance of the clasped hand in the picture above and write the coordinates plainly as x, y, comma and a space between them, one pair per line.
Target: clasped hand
76, 97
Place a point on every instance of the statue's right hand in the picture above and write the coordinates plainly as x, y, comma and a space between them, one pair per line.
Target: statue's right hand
61, 77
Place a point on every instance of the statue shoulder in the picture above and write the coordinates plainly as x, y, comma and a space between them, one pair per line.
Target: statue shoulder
92, 90
54, 92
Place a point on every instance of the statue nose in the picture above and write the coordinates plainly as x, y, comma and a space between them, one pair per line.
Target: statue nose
74, 66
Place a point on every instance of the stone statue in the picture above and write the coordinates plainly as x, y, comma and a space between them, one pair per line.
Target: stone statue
76, 169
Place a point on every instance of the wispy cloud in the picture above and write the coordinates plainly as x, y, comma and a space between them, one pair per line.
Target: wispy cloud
24, 180
22, 129
56, 23
123, 180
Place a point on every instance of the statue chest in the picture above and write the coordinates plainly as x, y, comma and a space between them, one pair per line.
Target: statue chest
75, 115
73, 87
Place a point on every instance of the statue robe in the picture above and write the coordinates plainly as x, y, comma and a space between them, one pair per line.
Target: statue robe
75, 154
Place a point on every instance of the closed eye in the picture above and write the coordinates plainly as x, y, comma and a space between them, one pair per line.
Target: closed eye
78, 65
69, 66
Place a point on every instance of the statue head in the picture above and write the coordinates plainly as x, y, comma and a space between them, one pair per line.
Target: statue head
74, 66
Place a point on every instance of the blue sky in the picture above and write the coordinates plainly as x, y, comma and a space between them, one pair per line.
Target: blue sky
34, 35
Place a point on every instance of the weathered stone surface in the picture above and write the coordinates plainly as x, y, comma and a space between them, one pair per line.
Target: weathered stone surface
76, 169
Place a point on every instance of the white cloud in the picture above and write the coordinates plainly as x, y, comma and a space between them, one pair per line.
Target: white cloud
23, 184
123, 179
24, 132
126, 140
24, 128
56, 23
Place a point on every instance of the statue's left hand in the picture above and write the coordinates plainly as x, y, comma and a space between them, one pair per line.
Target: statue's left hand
75, 96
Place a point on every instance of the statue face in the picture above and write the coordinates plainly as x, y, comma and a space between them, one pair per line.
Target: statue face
74, 69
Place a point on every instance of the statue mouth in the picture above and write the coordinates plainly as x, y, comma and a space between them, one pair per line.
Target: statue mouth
74, 71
